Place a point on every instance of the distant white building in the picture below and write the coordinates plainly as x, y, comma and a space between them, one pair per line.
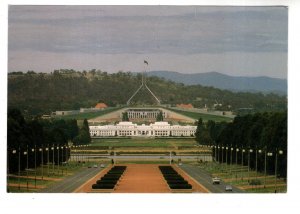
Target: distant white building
86, 110
144, 113
157, 129
71, 112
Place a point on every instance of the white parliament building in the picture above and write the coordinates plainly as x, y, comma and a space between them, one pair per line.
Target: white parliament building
129, 129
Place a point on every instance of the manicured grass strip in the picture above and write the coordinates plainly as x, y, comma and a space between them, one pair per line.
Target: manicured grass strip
253, 182
205, 117
88, 115
14, 180
143, 142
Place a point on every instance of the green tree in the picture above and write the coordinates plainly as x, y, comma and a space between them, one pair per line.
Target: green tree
125, 116
199, 131
160, 116
84, 134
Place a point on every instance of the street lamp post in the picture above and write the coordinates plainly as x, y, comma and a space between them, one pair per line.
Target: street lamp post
226, 157
269, 154
242, 173
47, 149
259, 151
81, 152
42, 151
280, 152
236, 161
76, 155
219, 154
215, 147
231, 149
256, 163
19, 167
236, 156
57, 159
26, 153
222, 154
52, 148
14, 152
66, 159
62, 160
249, 156
35, 165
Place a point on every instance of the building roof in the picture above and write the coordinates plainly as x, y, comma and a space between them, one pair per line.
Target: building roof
125, 123
185, 105
161, 123
101, 105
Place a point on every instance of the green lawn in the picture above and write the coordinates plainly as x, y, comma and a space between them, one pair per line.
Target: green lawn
140, 142
205, 117
88, 115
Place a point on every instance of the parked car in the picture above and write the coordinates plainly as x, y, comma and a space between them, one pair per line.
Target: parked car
228, 188
102, 165
95, 166
216, 180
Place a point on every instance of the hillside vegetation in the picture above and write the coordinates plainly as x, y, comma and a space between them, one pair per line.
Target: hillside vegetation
234, 83
39, 93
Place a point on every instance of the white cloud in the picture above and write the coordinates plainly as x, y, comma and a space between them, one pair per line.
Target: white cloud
174, 36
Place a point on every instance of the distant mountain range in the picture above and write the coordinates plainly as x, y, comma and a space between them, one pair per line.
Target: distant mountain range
250, 84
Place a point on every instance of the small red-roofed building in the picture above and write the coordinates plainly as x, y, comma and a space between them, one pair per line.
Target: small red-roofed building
101, 106
185, 106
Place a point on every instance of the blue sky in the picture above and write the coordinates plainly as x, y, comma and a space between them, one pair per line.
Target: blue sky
240, 41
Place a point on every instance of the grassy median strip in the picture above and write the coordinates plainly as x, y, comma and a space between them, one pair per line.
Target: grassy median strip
205, 117
40, 179
252, 181
142, 142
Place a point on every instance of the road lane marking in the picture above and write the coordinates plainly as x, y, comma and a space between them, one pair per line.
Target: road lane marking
100, 172
193, 179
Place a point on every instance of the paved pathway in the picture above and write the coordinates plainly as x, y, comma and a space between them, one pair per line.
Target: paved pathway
142, 178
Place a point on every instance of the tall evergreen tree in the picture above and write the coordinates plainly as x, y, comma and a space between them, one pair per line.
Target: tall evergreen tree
125, 116
160, 116
199, 131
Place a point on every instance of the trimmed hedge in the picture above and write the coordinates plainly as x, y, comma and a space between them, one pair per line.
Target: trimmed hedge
107, 182
180, 186
103, 186
110, 179
174, 180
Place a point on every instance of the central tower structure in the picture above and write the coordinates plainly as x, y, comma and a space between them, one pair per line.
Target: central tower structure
144, 84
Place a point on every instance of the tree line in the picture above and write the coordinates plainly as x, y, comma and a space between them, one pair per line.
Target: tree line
32, 139
260, 137
41, 93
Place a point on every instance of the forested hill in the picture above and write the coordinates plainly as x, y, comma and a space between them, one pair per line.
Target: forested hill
234, 83
39, 93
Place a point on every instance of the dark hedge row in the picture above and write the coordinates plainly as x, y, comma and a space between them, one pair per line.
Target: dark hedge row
110, 179
174, 180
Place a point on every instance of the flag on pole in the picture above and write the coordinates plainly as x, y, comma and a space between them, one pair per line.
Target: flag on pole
145, 62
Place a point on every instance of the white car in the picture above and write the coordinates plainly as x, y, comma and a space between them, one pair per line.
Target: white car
216, 180
102, 165
228, 188
95, 166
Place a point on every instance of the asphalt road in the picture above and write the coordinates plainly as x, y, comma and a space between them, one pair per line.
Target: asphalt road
205, 179
72, 182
